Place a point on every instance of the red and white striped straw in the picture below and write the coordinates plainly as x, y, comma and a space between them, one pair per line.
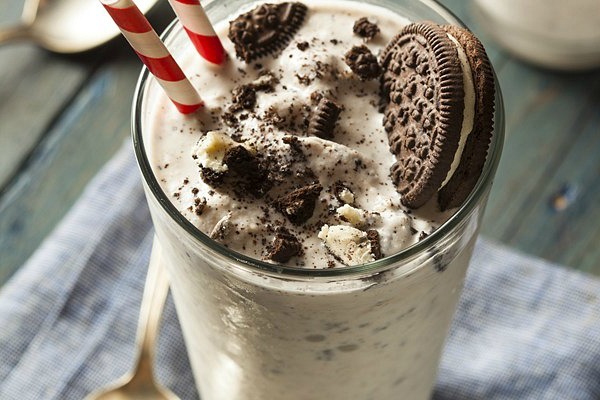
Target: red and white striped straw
153, 53
198, 27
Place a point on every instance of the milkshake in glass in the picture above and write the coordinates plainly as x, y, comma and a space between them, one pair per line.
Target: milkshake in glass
298, 269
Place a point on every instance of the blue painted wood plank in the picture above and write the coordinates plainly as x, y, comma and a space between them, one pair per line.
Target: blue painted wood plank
34, 87
10, 12
542, 111
81, 141
552, 141
82, 118
548, 115
563, 218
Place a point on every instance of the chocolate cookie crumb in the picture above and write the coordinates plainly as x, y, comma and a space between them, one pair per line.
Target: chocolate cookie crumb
199, 204
293, 142
284, 246
298, 206
265, 82
211, 177
302, 46
244, 97
230, 120
272, 117
323, 119
363, 63
246, 166
373, 238
365, 28
304, 79
315, 97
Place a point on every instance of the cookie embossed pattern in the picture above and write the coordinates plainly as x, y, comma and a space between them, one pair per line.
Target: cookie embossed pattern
439, 89
296, 262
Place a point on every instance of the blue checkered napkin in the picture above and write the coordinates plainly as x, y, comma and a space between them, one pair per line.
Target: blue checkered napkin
524, 329
68, 317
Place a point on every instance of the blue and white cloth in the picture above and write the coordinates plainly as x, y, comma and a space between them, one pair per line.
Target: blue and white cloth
524, 329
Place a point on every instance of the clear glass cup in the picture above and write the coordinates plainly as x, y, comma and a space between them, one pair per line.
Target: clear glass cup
256, 330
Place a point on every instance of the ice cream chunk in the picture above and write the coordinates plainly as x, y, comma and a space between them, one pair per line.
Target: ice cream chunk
355, 216
210, 151
348, 244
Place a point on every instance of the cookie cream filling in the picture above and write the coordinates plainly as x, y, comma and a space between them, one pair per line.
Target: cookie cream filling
469, 108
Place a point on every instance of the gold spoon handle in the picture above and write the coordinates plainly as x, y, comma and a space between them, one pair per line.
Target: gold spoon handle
153, 301
141, 383
13, 33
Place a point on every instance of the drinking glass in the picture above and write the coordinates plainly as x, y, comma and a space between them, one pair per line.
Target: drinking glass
255, 330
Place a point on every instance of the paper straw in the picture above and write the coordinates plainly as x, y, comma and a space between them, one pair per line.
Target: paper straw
153, 53
198, 27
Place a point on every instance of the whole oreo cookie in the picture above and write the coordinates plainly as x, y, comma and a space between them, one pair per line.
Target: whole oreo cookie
427, 94
474, 153
266, 29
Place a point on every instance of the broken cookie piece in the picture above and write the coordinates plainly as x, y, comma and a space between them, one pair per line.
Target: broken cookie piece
298, 206
365, 28
373, 237
349, 245
267, 29
209, 153
363, 63
244, 97
221, 228
252, 176
284, 246
323, 119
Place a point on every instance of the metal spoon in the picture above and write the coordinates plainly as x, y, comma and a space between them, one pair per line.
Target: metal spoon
65, 26
140, 383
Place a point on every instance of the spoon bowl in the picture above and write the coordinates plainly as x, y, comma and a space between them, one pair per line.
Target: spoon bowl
66, 26
140, 383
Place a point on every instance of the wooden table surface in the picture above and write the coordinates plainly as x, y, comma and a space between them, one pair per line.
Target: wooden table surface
63, 117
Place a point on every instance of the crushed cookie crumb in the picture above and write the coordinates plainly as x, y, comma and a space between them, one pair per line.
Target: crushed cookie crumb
365, 28
302, 46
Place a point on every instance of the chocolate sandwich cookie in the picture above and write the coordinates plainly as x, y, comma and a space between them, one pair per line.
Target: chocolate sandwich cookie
266, 29
474, 152
437, 91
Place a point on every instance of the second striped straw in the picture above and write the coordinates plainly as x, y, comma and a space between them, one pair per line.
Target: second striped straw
199, 29
153, 53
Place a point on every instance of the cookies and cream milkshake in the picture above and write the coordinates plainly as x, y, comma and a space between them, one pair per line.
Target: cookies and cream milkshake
310, 214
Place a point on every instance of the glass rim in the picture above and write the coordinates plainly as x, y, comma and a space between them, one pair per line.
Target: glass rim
484, 182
